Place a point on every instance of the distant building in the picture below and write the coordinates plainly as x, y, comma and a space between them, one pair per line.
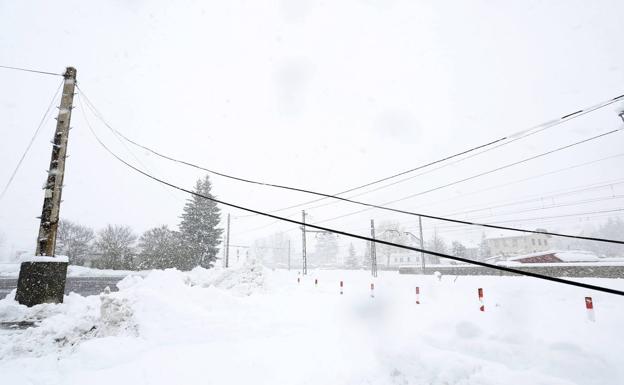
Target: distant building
555, 256
513, 245
405, 259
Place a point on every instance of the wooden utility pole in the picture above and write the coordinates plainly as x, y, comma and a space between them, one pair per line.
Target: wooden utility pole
227, 243
422, 245
46, 242
42, 279
373, 250
303, 240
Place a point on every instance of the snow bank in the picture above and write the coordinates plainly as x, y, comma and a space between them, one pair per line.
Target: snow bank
249, 325
61, 326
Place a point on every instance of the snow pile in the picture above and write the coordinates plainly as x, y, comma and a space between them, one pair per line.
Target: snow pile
58, 326
244, 280
203, 326
116, 313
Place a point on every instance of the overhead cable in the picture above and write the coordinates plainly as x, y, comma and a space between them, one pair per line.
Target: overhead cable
32, 140
509, 138
364, 238
30, 70
371, 206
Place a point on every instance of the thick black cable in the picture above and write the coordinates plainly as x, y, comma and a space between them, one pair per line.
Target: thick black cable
364, 238
32, 140
512, 138
381, 207
30, 70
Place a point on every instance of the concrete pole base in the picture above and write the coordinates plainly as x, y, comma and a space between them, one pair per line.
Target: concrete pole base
41, 282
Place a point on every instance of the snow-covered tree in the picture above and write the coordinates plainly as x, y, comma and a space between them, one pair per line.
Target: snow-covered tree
367, 261
484, 249
199, 229
352, 261
326, 248
74, 241
160, 249
115, 246
458, 249
278, 244
437, 244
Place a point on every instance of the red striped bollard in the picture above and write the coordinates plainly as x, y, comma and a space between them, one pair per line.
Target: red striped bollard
589, 305
372, 290
340, 287
482, 307
417, 295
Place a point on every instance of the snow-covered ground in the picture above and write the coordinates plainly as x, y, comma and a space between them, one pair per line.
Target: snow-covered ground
249, 325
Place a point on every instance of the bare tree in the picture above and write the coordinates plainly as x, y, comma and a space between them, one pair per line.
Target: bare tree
436, 243
160, 249
115, 245
74, 240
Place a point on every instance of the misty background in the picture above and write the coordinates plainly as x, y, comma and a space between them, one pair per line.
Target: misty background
320, 96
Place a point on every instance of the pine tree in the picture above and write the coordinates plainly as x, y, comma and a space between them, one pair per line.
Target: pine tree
367, 261
484, 249
352, 261
326, 249
198, 229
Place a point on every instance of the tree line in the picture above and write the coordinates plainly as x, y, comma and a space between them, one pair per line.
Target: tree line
195, 243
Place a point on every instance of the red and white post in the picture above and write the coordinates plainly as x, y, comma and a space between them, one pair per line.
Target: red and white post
482, 307
340, 287
417, 295
589, 305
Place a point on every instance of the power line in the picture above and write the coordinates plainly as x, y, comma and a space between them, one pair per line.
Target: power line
510, 139
128, 150
381, 207
507, 184
339, 232
32, 140
513, 137
30, 70
593, 213
507, 166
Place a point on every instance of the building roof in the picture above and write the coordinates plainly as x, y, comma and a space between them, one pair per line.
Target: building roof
563, 255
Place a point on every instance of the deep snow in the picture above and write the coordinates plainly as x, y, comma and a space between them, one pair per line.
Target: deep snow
250, 325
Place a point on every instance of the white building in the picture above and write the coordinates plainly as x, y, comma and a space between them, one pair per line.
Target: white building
518, 243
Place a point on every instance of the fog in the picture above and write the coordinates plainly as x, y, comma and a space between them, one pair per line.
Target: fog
317, 95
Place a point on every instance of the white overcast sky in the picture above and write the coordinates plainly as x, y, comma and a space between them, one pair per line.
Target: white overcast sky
323, 95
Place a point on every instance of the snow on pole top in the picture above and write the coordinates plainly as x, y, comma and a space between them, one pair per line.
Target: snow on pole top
39, 258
